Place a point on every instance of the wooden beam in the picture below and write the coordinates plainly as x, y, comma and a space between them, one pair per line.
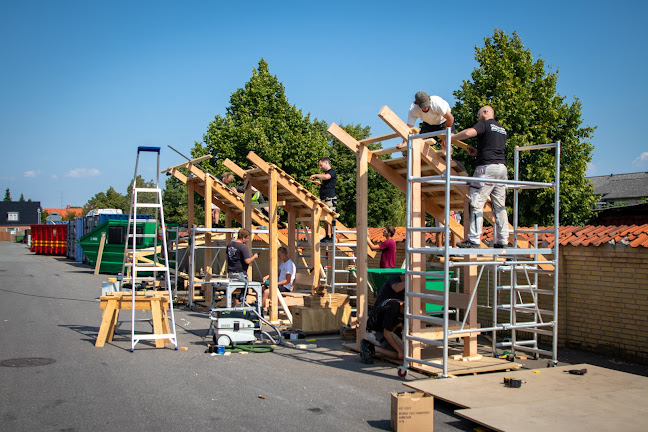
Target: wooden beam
394, 122
102, 242
379, 138
208, 224
390, 174
362, 187
417, 240
274, 260
302, 194
184, 164
247, 221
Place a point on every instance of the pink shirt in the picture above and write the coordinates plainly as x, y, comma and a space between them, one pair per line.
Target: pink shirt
388, 257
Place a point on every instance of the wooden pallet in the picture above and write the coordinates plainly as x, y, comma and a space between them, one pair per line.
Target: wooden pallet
455, 367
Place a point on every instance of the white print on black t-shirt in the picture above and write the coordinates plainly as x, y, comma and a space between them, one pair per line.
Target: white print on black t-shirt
498, 129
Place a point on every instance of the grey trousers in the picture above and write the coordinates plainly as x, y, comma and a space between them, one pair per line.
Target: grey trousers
479, 193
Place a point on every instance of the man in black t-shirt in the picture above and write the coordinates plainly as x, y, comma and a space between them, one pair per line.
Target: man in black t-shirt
327, 191
239, 258
393, 288
491, 163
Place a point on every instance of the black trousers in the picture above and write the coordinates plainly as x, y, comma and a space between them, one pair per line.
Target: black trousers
427, 127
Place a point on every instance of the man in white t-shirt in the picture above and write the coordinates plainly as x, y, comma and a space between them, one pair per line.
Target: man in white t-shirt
287, 272
433, 111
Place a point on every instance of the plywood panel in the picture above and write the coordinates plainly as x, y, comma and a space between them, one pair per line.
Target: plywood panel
622, 410
481, 391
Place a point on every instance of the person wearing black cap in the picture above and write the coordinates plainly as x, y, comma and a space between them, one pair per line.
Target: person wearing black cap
491, 163
433, 111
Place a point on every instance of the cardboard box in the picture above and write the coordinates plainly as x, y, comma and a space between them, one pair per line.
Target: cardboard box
412, 412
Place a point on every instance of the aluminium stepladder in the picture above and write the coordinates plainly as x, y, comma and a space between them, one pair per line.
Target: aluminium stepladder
131, 266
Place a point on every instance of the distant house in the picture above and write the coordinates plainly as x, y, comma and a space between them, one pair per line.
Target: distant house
623, 198
620, 189
17, 216
64, 212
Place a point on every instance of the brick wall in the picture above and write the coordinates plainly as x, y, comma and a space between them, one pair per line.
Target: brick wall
602, 302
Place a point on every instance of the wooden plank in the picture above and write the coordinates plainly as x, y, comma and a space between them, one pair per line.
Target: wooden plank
379, 138
102, 242
208, 224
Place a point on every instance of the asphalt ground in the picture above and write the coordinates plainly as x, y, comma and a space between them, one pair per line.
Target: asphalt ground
49, 309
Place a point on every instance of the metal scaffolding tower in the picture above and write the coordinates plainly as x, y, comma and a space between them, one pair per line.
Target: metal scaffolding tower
522, 264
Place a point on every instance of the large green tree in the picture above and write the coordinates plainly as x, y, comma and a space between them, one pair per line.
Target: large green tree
260, 119
523, 95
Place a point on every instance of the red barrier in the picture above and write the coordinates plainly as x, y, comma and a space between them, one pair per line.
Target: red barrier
49, 239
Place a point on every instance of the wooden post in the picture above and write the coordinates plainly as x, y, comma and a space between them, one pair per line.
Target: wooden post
315, 245
102, 242
469, 279
208, 224
362, 186
247, 220
190, 204
292, 234
274, 241
417, 261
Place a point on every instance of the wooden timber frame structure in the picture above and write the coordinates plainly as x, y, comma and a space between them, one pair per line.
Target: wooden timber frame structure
422, 176
231, 203
302, 207
282, 190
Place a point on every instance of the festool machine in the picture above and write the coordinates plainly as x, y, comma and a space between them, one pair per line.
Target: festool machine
240, 324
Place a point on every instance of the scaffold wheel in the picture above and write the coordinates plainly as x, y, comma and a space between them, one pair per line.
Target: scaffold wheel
402, 371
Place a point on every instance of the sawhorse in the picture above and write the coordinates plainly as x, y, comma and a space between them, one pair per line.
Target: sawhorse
112, 304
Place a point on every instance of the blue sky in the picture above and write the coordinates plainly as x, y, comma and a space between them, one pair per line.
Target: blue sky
83, 83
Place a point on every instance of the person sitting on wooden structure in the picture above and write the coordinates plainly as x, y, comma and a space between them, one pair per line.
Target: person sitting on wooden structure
327, 191
386, 321
491, 163
287, 271
239, 259
388, 248
433, 111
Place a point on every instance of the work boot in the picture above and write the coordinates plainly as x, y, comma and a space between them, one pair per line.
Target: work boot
367, 352
467, 245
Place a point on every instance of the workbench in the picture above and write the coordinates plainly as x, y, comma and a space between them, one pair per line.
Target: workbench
157, 303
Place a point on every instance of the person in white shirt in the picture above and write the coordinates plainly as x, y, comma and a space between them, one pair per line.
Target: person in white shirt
433, 111
287, 272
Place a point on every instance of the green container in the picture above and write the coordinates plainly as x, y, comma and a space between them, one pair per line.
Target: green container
378, 277
113, 252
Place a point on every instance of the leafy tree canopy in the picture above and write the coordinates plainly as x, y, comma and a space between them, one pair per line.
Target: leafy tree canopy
261, 119
7, 195
524, 98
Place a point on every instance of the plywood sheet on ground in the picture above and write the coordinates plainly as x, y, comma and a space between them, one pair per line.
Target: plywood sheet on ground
623, 410
487, 390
